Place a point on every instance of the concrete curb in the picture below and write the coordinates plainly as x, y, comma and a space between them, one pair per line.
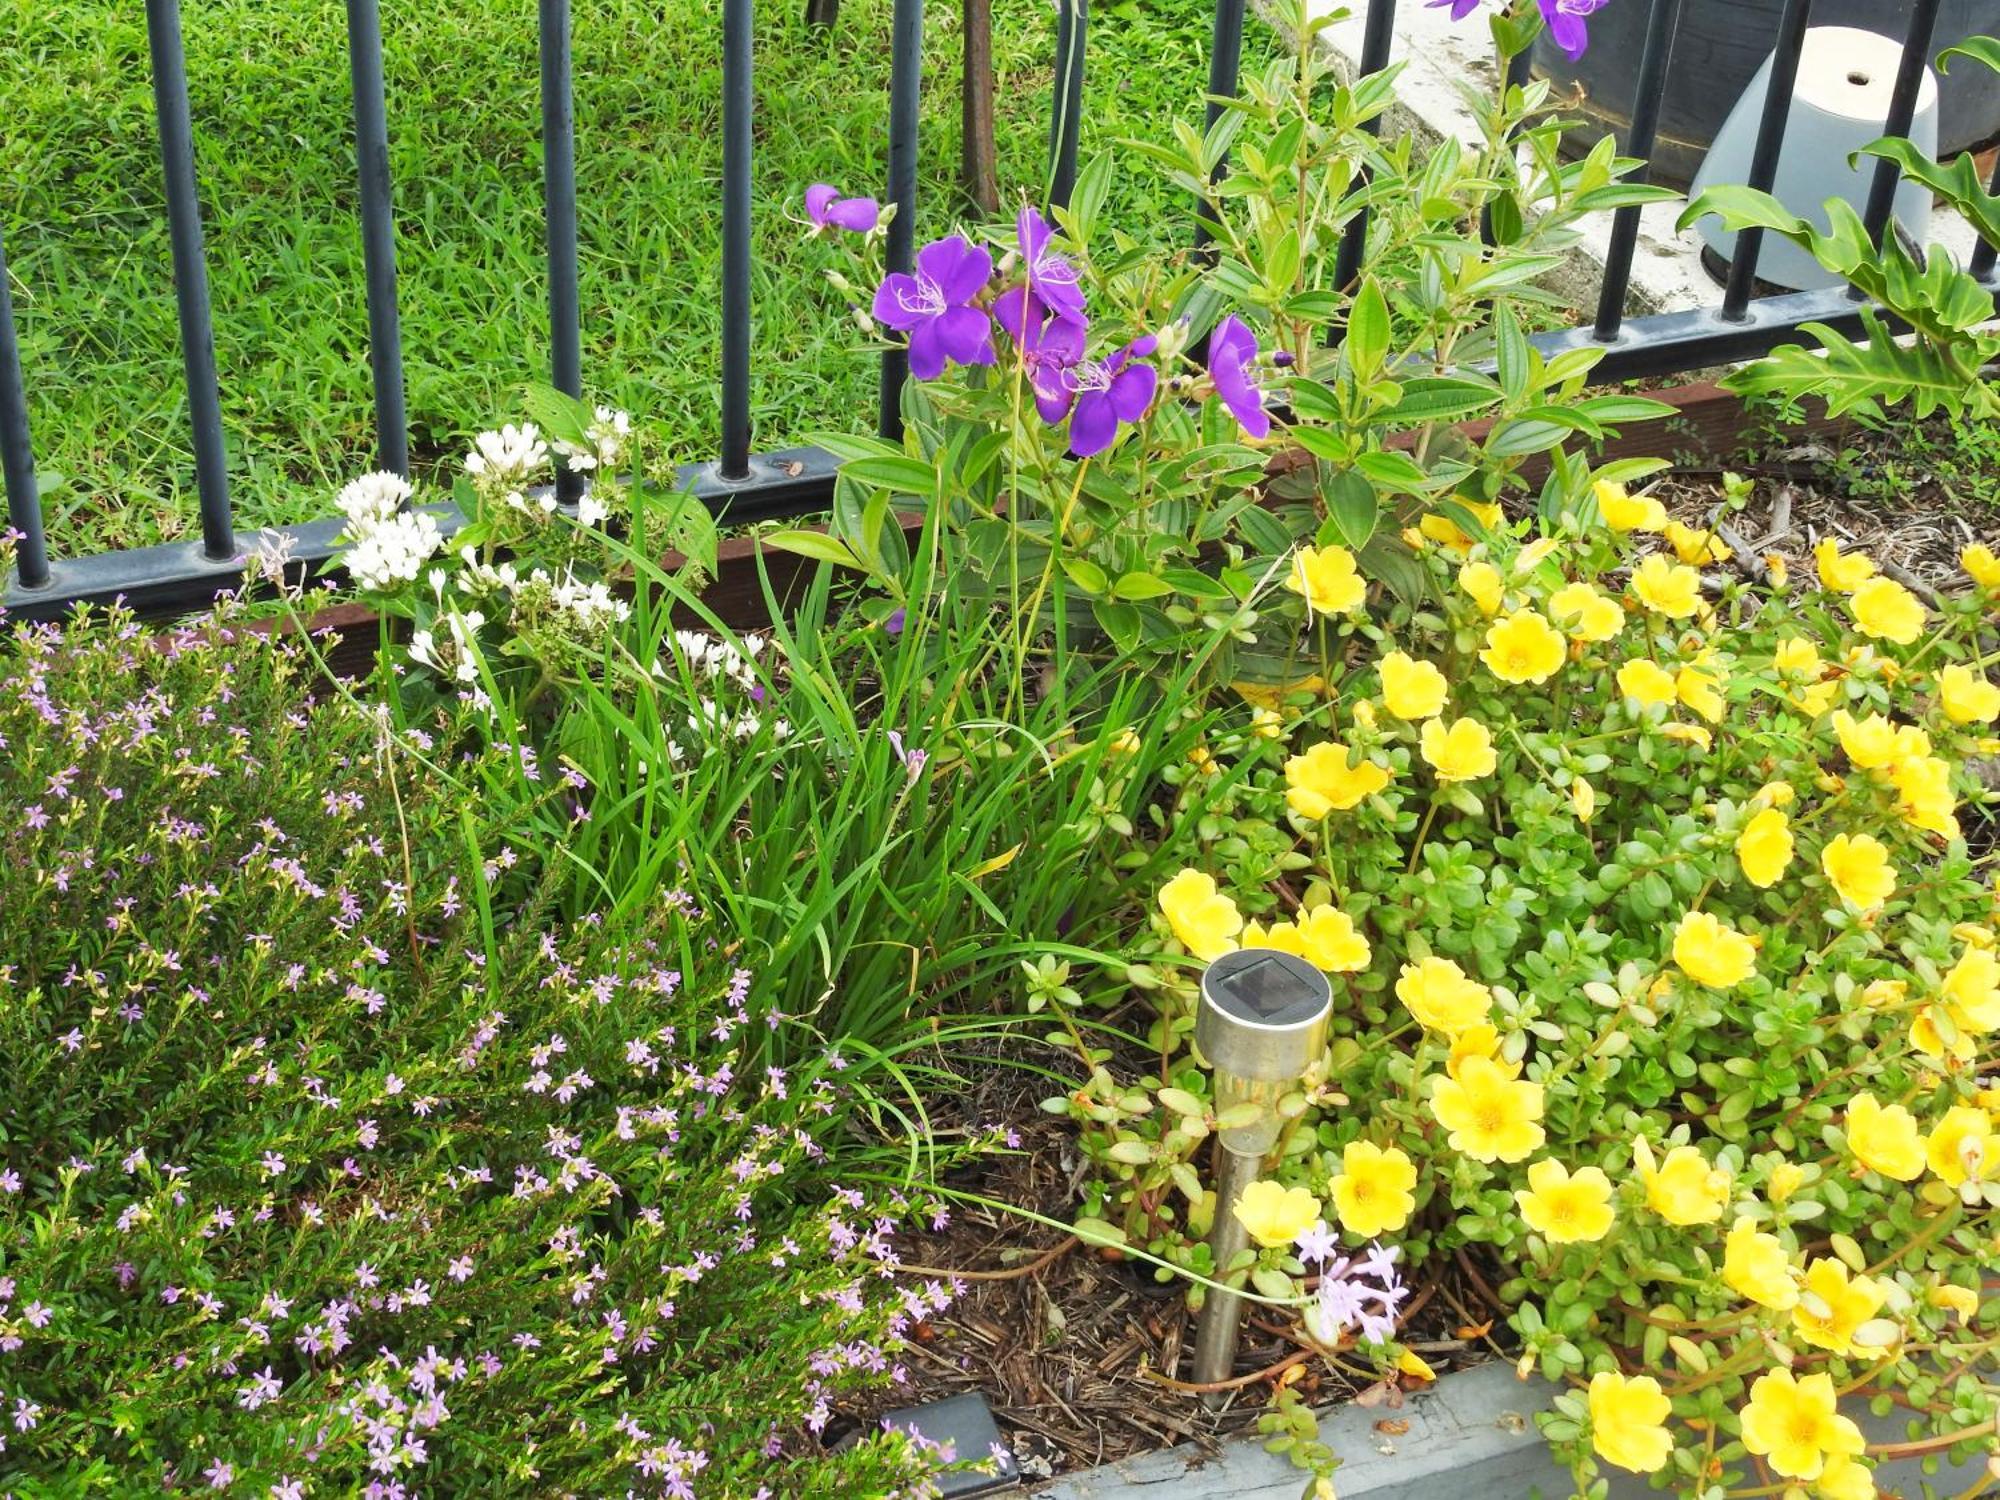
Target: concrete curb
1473, 1433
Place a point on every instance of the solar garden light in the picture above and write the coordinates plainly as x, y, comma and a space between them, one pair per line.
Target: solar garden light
1261, 1025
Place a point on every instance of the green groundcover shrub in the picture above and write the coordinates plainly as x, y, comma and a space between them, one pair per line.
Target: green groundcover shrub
321, 1175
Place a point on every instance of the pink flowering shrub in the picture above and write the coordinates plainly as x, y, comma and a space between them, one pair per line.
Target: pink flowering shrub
320, 1174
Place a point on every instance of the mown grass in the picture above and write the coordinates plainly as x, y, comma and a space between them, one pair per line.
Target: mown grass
87, 241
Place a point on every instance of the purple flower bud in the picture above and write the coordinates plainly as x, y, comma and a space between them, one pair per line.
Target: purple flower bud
829, 210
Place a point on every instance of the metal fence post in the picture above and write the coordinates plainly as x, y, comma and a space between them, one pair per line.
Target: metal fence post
378, 233
17, 452
170, 104
737, 99
906, 39
559, 192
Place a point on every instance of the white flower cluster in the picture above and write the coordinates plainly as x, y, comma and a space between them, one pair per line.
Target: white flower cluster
607, 438
729, 668
591, 604
390, 544
710, 658
509, 459
457, 657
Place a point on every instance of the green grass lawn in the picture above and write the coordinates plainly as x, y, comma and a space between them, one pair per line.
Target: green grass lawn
87, 239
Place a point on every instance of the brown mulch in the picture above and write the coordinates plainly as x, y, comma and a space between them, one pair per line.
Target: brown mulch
1077, 1351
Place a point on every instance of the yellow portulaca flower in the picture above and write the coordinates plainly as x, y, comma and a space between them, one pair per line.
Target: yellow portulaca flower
1585, 613
1886, 610
1447, 532
1755, 1265
1682, 1188
1711, 952
1124, 742
1846, 1478
1858, 868
1666, 589
1490, 1114
1972, 987
1842, 574
1205, 920
1412, 689
1870, 743
1646, 683
1372, 1196
1980, 565
1583, 798
1565, 1207
1534, 555
1923, 794
1962, 1301
1442, 996
1523, 647
1478, 1041
1796, 656
1331, 941
1928, 1028
1624, 511
1695, 547
1786, 1179
1627, 1421
1462, 752
1966, 697
1483, 585
1794, 1422
1885, 1139
1832, 1305
1963, 1147
1328, 580
1700, 690
1274, 1215
1267, 724
1321, 781
1764, 848
1693, 734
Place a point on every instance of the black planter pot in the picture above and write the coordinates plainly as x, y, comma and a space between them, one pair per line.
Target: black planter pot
1720, 46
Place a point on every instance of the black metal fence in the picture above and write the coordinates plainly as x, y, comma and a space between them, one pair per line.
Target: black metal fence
740, 484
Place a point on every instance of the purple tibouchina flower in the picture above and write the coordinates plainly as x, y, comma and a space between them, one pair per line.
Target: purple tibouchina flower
934, 306
829, 210
1049, 348
1110, 391
1232, 350
1564, 18
1052, 280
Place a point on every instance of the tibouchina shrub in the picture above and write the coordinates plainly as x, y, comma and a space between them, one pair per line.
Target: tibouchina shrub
1660, 911
320, 1175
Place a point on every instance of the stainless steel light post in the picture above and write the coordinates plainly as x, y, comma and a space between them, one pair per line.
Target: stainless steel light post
1262, 1024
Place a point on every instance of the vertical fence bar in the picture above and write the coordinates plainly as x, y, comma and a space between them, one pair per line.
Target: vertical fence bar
1764, 157
1661, 23
906, 40
1987, 253
1225, 63
1910, 72
1376, 35
378, 232
170, 104
17, 453
559, 194
1066, 98
736, 107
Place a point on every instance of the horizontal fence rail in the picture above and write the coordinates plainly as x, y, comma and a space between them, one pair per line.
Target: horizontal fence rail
741, 485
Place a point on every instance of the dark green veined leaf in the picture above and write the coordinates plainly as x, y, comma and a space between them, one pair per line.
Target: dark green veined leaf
908, 476
1352, 508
